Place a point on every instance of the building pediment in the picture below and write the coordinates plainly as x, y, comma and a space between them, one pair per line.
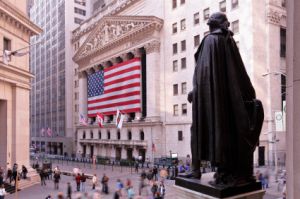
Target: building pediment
116, 30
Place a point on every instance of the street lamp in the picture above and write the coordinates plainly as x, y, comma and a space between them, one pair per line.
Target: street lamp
274, 136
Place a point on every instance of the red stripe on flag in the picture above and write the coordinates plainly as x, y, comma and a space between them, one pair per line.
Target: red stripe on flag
115, 97
114, 112
122, 79
122, 71
122, 64
137, 84
115, 104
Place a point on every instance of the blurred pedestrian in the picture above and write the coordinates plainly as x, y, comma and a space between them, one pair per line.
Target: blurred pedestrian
120, 186
83, 180
162, 190
130, 193
94, 181
2, 191
69, 191
9, 175
155, 171
77, 179
104, 182
56, 180
42, 176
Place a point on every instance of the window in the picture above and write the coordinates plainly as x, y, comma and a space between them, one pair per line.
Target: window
80, 2
180, 136
83, 135
183, 45
175, 50
79, 11
184, 109
142, 135
223, 6
235, 26
174, 30
183, 63
175, 110
108, 135
196, 18
91, 134
6, 44
182, 24
234, 3
175, 89
175, 65
183, 88
174, 4
206, 13
129, 135
77, 20
182, 2
196, 40
282, 42
118, 135
283, 3
99, 135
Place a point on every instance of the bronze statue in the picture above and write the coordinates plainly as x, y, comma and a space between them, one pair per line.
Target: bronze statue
227, 119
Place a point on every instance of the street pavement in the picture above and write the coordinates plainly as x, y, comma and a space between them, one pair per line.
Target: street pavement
40, 192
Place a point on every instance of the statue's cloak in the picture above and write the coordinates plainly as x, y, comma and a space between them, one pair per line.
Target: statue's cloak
220, 130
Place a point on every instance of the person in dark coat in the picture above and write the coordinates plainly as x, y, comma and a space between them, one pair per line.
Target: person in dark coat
225, 128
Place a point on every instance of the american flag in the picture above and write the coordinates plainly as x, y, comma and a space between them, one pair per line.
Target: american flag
82, 120
116, 87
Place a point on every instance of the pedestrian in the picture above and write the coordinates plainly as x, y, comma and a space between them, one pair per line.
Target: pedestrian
128, 184
82, 180
155, 171
94, 181
104, 182
154, 189
56, 180
136, 166
266, 178
9, 175
162, 190
15, 173
2, 191
42, 176
119, 187
69, 191
24, 172
77, 179
130, 193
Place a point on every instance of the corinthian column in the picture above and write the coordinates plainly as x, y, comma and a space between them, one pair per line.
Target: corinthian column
83, 93
153, 80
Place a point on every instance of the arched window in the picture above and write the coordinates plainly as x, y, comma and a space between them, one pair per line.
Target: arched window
142, 135
99, 135
129, 135
83, 135
108, 135
118, 135
91, 135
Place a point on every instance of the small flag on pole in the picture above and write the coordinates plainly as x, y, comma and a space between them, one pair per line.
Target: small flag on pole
119, 119
100, 119
49, 132
42, 134
82, 120
6, 56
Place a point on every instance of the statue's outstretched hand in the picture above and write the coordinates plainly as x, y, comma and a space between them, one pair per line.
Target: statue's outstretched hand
190, 97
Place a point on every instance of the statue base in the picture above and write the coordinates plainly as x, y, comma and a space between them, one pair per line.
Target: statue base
189, 187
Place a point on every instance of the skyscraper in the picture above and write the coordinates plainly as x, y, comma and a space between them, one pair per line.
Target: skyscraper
51, 95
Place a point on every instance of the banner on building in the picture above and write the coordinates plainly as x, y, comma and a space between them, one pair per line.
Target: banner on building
115, 87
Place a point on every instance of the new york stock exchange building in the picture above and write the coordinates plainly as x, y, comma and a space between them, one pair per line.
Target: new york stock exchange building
120, 64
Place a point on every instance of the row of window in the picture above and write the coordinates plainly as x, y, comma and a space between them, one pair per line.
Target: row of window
176, 89
183, 44
108, 135
176, 109
234, 4
80, 11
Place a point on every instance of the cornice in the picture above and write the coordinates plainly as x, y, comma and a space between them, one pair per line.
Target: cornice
9, 12
116, 7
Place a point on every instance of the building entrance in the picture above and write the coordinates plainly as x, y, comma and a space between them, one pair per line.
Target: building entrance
3, 133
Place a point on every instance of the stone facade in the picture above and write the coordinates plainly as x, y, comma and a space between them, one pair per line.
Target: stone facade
135, 26
15, 31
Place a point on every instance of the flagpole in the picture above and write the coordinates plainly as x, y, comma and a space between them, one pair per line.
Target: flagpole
24, 47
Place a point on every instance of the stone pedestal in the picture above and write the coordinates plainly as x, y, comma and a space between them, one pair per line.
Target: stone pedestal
192, 187
184, 193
